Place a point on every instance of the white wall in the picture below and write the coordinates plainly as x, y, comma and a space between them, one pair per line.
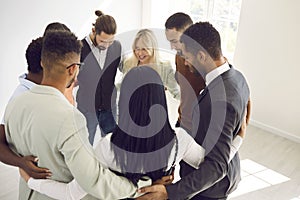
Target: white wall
22, 21
267, 52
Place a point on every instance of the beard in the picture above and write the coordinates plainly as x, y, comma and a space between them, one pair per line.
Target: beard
101, 48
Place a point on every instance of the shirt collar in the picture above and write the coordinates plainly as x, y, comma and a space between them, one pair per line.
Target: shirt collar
216, 72
48, 90
25, 82
91, 44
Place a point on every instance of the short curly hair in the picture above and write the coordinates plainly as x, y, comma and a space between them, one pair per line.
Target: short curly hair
33, 56
202, 36
57, 45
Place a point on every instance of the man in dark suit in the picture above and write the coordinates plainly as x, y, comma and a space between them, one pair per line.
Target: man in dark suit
96, 97
217, 118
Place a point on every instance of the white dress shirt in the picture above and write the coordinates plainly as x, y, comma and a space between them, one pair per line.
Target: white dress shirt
100, 55
216, 72
188, 150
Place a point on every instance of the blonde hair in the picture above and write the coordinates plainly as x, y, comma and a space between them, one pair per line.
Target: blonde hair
148, 39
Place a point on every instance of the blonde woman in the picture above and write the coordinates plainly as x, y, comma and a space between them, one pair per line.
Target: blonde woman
145, 52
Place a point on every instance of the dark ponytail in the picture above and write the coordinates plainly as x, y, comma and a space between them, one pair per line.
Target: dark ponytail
98, 13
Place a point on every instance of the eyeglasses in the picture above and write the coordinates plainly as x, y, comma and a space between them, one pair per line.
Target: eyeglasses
78, 64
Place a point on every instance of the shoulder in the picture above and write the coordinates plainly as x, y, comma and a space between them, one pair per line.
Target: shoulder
85, 49
85, 44
235, 82
233, 73
114, 51
18, 91
72, 114
116, 45
128, 64
17, 100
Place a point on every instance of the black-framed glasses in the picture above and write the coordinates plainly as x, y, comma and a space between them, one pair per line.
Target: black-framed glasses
78, 64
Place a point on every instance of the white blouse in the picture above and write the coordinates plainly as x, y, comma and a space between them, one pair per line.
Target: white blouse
188, 150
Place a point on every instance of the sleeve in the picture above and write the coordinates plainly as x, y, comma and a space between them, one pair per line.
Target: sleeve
118, 79
57, 190
215, 166
235, 146
104, 154
189, 150
82, 163
170, 81
2, 121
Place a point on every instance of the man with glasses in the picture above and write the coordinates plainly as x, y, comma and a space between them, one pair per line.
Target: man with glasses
41, 122
101, 54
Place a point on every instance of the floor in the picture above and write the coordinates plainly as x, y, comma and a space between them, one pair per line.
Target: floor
270, 168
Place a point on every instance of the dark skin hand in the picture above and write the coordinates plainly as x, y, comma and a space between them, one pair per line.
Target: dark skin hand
157, 190
27, 163
165, 180
248, 114
242, 131
153, 192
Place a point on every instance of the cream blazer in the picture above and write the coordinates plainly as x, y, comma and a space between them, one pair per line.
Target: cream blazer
41, 122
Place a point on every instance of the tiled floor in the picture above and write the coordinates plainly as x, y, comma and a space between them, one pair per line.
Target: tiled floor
256, 177
270, 166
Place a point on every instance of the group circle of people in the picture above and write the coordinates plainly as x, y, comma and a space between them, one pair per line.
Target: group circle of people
50, 136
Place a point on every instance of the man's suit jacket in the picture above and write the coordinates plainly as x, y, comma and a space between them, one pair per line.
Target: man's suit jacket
217, 118
96, 85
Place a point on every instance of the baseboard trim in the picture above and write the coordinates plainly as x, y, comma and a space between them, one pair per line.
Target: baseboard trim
275, 131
